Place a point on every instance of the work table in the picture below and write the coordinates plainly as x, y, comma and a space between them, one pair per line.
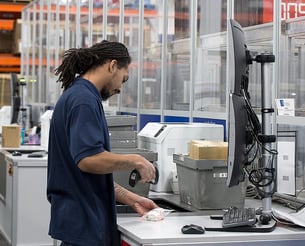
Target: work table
137, 231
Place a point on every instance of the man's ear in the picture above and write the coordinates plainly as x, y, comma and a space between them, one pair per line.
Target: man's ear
112, 65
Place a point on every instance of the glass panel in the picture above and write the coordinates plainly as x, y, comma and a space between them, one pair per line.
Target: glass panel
41, 92
29, 49
178, 60
84, 24
112, 34
266, 11
54, 33
259, 38
31, 42
151, 71
72, 25
292, 63
210, 78
97, 29
130, 38
292, 77
250, 13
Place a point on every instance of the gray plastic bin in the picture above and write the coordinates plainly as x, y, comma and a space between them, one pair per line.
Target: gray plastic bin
202, 184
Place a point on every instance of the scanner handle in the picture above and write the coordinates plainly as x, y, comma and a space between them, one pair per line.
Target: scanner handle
135, 177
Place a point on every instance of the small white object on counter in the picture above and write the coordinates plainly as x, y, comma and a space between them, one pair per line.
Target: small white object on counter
156, 214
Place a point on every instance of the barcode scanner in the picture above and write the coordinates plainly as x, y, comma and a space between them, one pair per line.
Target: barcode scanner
135, 177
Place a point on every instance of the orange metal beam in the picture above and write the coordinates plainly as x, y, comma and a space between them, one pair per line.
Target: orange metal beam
98, 10
7, 60
11, 7
9, 69
6, 25
9, 63
11, 11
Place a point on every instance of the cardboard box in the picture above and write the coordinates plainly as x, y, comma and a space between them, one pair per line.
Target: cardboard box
208, 150
16, 37
5, 95
11, 137
6, 39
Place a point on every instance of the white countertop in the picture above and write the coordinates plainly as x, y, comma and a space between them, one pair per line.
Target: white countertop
169, 231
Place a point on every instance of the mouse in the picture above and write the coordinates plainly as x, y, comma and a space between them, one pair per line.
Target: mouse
16, 153
192, 229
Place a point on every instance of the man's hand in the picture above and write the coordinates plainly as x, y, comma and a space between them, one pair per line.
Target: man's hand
144, 205
140, 204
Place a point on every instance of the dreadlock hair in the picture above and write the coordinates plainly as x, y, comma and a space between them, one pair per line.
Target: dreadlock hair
78, 61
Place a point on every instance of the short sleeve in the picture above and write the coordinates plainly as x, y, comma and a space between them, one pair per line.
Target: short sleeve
86, 133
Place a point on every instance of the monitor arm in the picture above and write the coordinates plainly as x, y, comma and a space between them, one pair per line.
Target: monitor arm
266, 138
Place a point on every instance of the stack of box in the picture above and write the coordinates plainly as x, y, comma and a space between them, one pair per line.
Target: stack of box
202, 177
123, 140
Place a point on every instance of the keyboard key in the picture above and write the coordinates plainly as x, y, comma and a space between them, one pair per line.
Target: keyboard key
235, 217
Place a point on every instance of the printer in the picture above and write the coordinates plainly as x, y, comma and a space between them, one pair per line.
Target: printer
173, 138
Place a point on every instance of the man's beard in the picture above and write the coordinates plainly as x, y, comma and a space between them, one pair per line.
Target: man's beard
105, 94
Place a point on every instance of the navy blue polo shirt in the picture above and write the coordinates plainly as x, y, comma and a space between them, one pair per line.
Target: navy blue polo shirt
82, 204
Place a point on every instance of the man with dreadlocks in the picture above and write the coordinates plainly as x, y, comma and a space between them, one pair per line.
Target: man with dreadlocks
80, 184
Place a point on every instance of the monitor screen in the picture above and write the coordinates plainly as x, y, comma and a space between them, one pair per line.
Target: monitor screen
15, 98
243, 124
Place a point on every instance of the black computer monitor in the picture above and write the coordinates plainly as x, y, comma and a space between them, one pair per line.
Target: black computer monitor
15, 98
246, 137
243, 123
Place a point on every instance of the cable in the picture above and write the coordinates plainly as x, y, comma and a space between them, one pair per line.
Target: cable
282, 221
295, 200
254, 144
251, 192
256, 127
261, 177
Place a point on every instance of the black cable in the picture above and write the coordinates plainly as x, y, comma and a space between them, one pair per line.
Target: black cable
259, 177
254, 144
252, 192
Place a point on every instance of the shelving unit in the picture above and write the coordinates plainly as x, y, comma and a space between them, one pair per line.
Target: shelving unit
10, 12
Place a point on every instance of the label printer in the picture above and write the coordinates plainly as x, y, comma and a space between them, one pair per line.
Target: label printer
173, 138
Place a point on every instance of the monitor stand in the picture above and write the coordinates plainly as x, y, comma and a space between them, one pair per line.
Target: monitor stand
265, 222
266, 138
216, 225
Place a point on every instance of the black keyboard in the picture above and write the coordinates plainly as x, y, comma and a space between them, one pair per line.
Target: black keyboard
236, 217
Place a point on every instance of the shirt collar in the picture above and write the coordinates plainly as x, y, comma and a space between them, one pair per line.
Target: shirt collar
89, 85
